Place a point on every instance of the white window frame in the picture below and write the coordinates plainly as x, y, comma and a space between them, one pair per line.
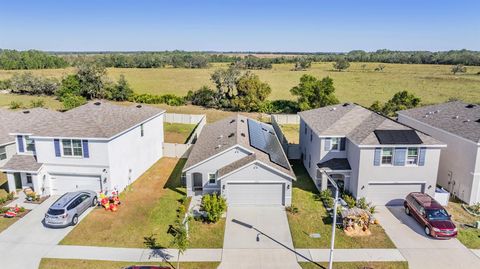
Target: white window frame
72, 148
382, 155
408, 156
3, 152
338, 141
214, 177
26, 139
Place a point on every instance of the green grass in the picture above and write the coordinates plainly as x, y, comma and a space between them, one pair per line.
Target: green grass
93, 264
470, 237
204, 235
433, 83
6, 222
357, 265
177, 132
312, 218
291, 132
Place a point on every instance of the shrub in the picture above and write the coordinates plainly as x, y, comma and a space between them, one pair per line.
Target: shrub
292, 209
3, 200
362, 203
71, 101
37, 103
3, 210
349, 200
10, 196
169, 99
15, 105
214, 205
203, 97
371, 209
21, 209
327, 199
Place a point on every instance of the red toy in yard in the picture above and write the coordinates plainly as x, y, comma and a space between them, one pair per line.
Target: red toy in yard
110, 202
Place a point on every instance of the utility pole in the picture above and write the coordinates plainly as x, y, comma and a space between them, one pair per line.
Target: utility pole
334, 223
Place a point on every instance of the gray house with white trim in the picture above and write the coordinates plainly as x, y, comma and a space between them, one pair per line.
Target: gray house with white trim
241, 159
458, 125
368, 154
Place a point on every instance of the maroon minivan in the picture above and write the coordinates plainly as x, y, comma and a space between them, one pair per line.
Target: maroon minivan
430, 214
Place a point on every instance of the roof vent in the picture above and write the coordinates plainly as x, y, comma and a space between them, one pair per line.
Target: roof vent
26, 111
478, 121
219, 146
346, 104
455, 117
139, 106
470, 106
467, 120
437, 111
231, 135
220, 137
242, 120
232, 121
333, 109
243, 134
430, 112
97, 103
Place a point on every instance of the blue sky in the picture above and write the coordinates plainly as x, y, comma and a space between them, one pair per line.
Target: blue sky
292, 25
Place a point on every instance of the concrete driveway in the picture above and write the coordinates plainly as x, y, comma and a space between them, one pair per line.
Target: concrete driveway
421, 251
257, 237
25, 242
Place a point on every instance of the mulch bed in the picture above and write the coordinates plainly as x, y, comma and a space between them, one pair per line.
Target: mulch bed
19, 215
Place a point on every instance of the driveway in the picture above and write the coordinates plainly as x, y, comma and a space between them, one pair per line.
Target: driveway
25, 242
257, 237
421, 251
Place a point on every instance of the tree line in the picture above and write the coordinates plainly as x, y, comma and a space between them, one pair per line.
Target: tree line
30, 59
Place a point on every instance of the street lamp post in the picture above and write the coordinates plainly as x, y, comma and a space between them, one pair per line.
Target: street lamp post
332, 243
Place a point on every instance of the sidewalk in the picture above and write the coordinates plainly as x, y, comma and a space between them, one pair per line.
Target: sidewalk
350, 255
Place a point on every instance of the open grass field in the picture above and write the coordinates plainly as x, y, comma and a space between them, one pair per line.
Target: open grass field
92, 264
470, 237
433, 83
313, 218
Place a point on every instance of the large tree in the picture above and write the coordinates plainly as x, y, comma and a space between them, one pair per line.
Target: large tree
251, 92
122, 90
91, 78
313, 93
341, 64
225, 81
400, 101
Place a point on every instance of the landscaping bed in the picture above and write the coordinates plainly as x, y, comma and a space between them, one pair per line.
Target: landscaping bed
469, 236
178, 132
6, 222
357, 265
93, 264
312, 217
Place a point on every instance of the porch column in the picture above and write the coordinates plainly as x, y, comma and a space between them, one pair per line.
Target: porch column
323, 181
11, 183
36, 184
189, 184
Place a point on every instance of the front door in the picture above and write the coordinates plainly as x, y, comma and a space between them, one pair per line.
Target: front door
18, 181
197, 182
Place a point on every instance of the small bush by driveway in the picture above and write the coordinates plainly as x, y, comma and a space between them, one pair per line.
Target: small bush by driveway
312, 218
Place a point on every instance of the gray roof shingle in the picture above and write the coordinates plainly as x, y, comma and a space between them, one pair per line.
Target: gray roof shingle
335, 164
24, 163
455, 117
354, 122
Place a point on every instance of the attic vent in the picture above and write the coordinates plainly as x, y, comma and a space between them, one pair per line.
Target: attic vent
243, 134
139, 106
97, 103
466, 120
346, 104
218, 146
271, 133
232, 121
231, 135
220, 136
242, 120
26, 111
455, 117
470, 106
333, 109
264, 129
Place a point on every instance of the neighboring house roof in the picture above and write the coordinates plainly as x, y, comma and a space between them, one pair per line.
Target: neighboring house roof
455, 117
227, 133
356, 123
96, 119
13, 121
335, 164
27, 163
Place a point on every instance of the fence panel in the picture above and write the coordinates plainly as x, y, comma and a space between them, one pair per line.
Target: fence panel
292, 150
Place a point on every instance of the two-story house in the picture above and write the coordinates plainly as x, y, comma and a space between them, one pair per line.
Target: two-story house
98, 146
458, 125
367, 154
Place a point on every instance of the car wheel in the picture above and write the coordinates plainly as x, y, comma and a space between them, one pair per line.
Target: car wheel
427, 230
74, 220
407, 210
95, 201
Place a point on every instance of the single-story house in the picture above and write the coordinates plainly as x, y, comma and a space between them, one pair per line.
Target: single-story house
458, 125
241, 159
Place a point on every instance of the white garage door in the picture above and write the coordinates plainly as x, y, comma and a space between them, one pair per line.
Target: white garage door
61, 184
391, 193
255, 193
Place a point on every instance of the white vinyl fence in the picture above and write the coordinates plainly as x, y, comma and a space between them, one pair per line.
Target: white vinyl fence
176, 150
292, 150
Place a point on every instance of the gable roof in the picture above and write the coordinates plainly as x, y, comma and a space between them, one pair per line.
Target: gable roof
354, 122
23, 163
456, 117
219, 136
96, 119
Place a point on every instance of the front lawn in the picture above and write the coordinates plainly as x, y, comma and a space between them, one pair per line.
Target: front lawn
356, 265
470, 237
312, 218
148, 207
92, 264
204, 235
177, 132
291, 132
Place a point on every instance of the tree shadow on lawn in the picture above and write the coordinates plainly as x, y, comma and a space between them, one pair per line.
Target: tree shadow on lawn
174, 180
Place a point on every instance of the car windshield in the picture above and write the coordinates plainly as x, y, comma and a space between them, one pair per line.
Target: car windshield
55, 212
437, 214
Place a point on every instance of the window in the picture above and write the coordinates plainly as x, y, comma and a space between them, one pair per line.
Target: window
72, 147
335, 143
212, 179
3, 153
30, 144
29, 178
387, 156
412, 156
141, 130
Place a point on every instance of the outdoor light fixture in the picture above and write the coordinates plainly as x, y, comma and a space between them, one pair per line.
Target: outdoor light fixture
288, 186
363, 187
258, 237
429, 186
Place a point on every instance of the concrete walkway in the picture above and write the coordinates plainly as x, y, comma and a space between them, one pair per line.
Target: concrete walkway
349, 255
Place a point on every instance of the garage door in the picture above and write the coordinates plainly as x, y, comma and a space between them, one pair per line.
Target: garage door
391, 193
255, 194
65, 183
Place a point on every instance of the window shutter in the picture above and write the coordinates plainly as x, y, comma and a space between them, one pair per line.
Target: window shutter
21, 147
399, 156
342, 143
376, 159
421, 156
328, 142
86, 153
56, 143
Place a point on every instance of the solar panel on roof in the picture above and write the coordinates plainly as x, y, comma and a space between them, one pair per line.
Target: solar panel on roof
398, 137
263, 138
